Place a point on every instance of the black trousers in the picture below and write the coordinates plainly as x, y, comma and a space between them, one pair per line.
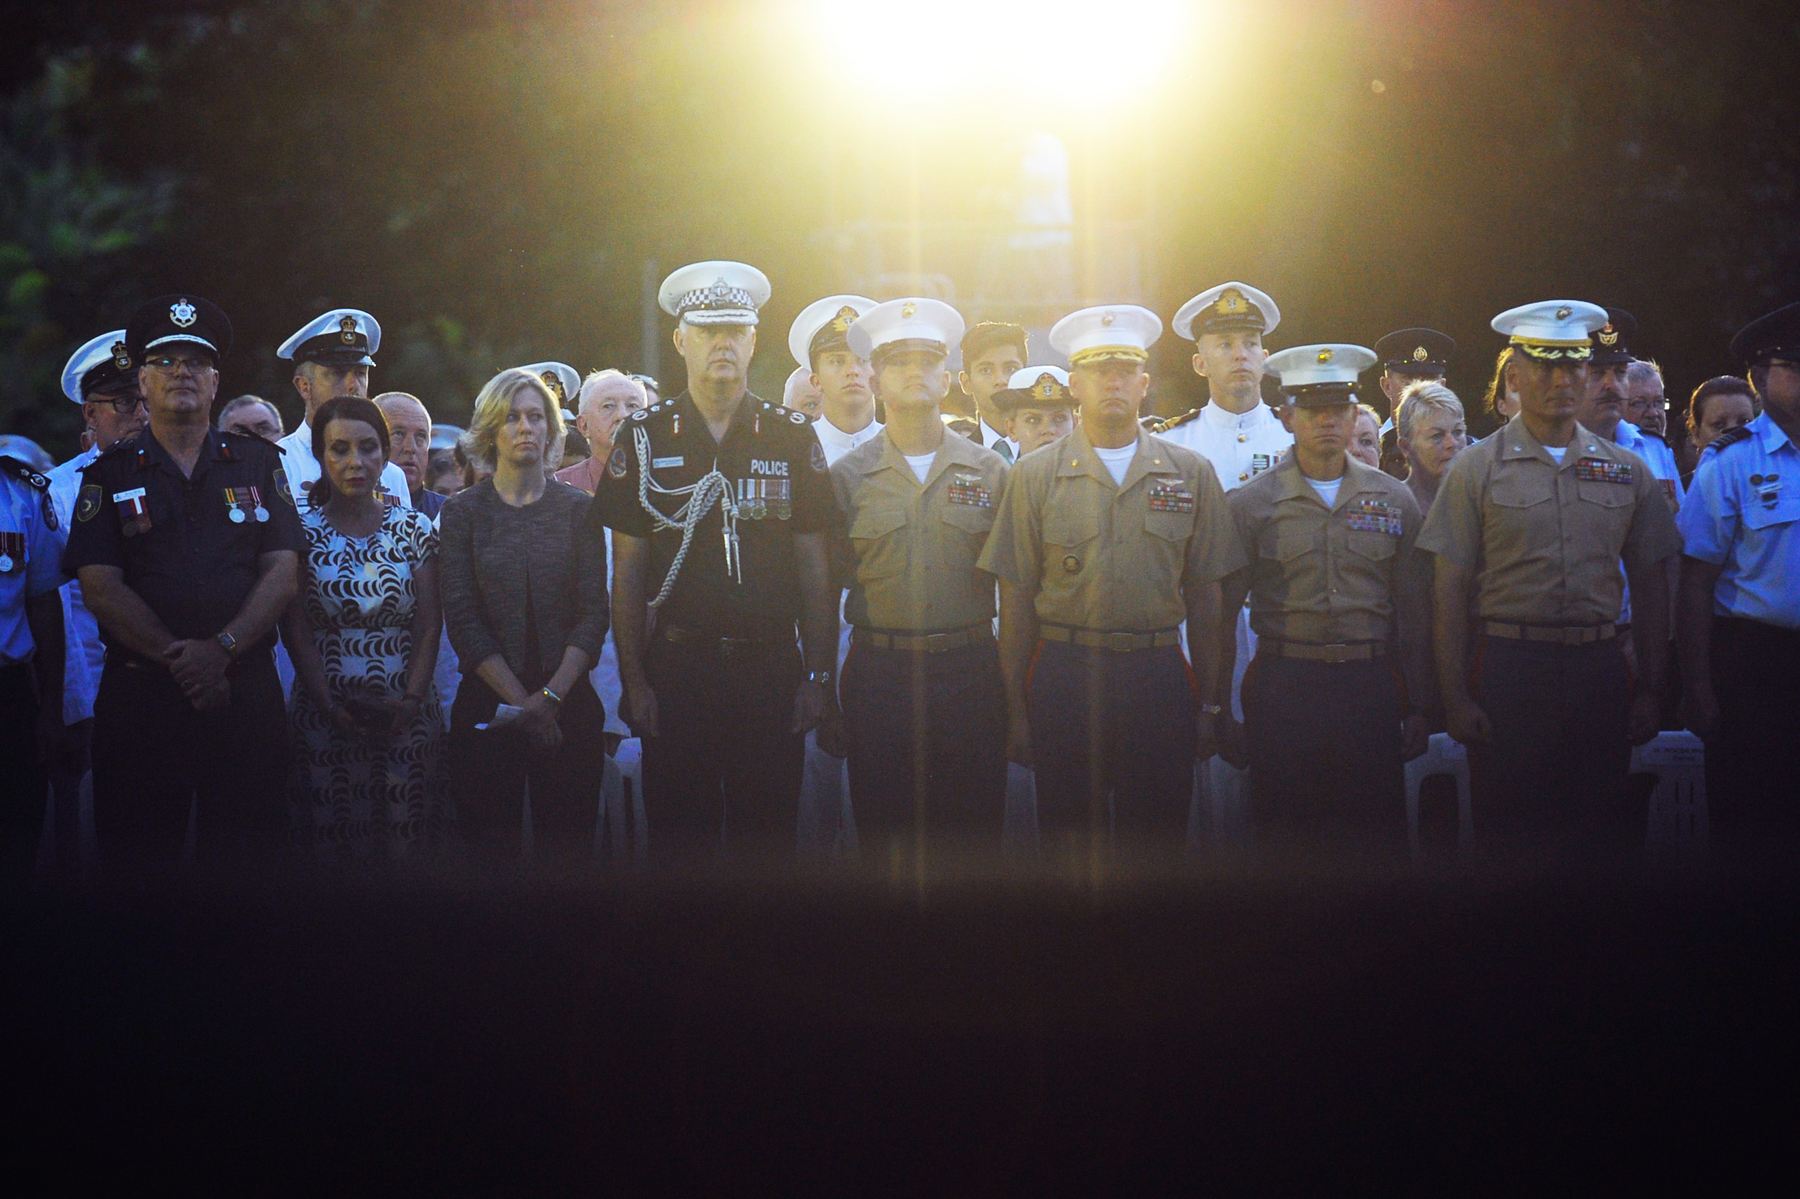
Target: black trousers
1552, 782
725, 767
927, 737
1119, 722
22, 782
153, 753
1324, 741
1753, 761
490, 767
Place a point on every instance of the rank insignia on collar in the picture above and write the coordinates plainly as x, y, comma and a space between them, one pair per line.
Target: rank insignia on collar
1420, 354
183, 313
347, 330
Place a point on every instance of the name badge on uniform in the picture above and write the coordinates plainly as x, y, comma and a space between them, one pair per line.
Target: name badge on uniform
134, 511
669, 463
1373, 516
1171, 497
1603, 470
758, 498
12, 551
967, 490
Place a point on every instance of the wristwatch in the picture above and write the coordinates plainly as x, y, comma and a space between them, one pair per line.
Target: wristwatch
821, 677
228, 643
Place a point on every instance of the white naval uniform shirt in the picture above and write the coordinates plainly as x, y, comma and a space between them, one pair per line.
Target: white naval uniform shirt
1239, 447
83, 655
836, 443
303, 469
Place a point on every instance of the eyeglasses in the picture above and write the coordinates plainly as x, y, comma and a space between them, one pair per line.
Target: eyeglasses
122, 403
168, 365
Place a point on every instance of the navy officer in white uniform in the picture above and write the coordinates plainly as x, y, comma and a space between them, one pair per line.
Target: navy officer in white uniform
332, 354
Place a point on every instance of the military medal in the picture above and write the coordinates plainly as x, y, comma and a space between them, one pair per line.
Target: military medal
134, 511
234, 505
261, 513
1171, 497
967, 490
1601, 470
1374, 516
12, 548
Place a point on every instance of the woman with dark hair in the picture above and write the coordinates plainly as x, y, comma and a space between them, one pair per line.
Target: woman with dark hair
525, 598
1498, 403
363, 634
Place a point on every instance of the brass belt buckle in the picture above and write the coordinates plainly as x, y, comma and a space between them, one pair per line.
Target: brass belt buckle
1336, 653
937, 643
1121, 643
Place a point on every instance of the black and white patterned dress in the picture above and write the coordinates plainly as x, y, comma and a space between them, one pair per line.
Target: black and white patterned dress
353, 799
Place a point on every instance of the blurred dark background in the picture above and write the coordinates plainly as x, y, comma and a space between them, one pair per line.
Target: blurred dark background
498, 181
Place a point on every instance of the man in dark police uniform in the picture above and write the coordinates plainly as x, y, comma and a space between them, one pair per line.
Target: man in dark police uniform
719, 503
187, 545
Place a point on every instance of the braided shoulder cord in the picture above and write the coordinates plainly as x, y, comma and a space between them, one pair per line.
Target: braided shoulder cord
713, 487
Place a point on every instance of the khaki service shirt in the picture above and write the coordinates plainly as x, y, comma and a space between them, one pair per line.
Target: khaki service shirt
1109, 557
906, 549
1544, 541
1327, 575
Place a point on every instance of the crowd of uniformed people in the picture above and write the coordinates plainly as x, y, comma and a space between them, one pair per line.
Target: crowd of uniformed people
866, 621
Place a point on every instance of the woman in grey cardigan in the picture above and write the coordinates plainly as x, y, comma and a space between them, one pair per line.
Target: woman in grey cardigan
525, 604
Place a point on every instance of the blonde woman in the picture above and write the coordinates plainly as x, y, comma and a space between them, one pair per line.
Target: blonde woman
525, 604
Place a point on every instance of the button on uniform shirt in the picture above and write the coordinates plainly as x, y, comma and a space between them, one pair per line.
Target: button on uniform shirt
837, 443
1327, 575
185, 557
1742, 514
84, 655
30, 547
303, 469
1240, 447
775, 469
907, 550
1544, 541
1107, 556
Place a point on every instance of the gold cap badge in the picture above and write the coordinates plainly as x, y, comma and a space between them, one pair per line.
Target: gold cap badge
1326, 356
347, 329
121, 356
1046, 386
1231, 302
1608, 335
1107, 319
1420, 354
846, 316
554, 382
907, 309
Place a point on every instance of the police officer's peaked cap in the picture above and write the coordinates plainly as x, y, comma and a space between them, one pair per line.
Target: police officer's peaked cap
562, 380
1319, 376
715, 293
179, 319
1775, 335
1423, 352
1109, 331
96, 365
1613, 340
1225, 307
341, 337
1553, 330
912, 323
824, 325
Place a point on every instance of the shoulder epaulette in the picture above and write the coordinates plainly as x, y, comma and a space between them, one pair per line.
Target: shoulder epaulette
278, 447
23, 470
1175, 422
1729, 438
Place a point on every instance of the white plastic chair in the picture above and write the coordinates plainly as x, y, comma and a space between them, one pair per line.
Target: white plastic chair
1445, 755
1677, 823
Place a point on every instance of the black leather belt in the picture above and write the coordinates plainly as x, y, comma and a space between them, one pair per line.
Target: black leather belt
726, 646
1118, 643
928, 643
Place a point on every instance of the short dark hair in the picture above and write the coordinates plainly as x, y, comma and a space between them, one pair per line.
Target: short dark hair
984, 336
343, 408
236, 402
1719, 385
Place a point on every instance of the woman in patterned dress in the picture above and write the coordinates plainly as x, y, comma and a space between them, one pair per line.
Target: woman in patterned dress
363, 634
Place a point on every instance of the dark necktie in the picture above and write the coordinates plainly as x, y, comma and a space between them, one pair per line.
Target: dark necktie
1002, 449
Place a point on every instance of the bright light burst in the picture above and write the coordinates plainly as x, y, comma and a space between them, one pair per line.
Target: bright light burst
1050, 52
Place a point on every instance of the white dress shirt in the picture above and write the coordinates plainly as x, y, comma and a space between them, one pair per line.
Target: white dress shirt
83, 654
994, 440
1240, 447
303, 469
836, 443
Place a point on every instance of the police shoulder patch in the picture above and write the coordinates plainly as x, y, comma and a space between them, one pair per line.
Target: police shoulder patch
87, 504
617, 465
817, 458
281, 486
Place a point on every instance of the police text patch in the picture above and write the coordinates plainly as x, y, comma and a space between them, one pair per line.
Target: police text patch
1171, 497
1373, 516
1602, 470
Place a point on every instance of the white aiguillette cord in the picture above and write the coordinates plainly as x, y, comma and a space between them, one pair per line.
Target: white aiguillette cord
712, 487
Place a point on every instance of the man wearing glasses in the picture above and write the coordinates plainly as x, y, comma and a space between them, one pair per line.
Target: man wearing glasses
186, 542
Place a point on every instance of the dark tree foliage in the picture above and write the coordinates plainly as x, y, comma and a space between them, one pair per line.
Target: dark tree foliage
491, 178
